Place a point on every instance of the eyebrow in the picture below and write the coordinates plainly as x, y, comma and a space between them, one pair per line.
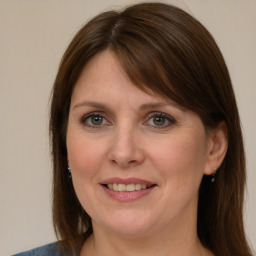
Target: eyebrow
153, 105
146, 106
91, 104
162, 104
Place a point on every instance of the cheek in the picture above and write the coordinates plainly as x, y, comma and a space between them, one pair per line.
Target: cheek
180, 159
180, 163
84, 156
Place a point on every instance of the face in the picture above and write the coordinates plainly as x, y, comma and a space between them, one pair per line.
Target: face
136, 159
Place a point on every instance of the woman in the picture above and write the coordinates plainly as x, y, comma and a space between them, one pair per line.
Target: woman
146, 140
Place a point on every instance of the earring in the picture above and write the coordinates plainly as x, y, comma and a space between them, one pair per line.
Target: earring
213, 175
69, 172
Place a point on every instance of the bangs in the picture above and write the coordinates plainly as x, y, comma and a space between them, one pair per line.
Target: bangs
160, 55
145, 70
141, 51
159, 58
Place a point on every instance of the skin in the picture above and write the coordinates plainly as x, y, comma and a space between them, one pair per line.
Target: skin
173, 154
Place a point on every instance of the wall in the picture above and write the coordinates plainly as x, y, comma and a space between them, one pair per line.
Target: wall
34, 34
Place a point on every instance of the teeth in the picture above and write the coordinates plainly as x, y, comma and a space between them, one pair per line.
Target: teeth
128, 187
121, 187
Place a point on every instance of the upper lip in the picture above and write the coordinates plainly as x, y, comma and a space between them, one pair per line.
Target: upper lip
126, 181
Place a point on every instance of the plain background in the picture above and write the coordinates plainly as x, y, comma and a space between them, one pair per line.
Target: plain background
34, 35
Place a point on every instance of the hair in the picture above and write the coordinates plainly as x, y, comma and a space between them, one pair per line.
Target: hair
166, 51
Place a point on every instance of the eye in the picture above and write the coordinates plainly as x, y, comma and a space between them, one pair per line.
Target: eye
160, 120
94, 120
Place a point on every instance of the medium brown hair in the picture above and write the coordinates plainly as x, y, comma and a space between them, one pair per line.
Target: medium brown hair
166, 51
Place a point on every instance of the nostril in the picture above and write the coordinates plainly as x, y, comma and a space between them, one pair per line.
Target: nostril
124, 163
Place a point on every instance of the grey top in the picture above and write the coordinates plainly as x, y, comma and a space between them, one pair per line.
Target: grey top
45, 250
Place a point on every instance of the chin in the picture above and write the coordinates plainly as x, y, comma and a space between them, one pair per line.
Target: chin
128, 225
130, 231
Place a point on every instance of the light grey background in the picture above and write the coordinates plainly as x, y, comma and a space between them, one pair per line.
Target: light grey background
34, 35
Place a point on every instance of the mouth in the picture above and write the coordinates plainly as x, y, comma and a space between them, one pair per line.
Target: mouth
128, 187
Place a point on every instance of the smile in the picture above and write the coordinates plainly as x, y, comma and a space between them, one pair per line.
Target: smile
127, 187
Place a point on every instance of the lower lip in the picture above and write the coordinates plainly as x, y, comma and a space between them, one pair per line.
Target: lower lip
127, 196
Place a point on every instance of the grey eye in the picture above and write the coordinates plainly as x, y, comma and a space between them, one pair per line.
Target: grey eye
96, 120
159, 120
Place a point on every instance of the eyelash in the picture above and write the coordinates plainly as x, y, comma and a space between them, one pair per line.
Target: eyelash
170, 120
90, 115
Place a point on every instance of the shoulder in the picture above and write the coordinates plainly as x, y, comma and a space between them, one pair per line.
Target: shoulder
45, 250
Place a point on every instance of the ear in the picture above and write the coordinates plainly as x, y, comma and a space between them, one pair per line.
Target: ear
217, 148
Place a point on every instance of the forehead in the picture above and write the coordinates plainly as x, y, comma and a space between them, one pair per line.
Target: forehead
103, 79
103, 68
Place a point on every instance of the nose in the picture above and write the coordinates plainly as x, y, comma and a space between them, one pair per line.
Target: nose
125, 149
